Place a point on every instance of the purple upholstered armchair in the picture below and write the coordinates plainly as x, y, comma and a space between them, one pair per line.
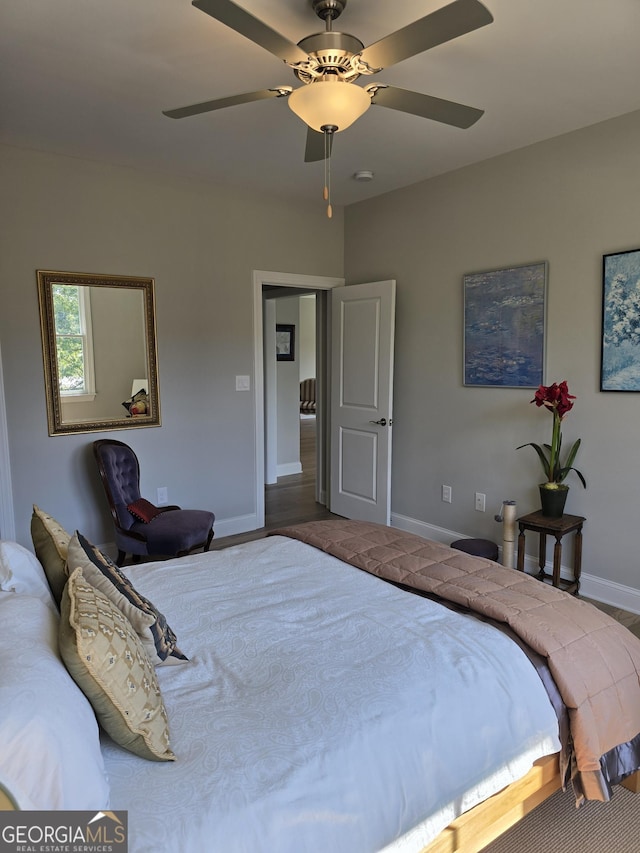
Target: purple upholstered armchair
166, 531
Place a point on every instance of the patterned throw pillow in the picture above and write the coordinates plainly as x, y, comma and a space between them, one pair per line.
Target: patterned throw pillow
107, 661
50, 542
143, 510
159, 641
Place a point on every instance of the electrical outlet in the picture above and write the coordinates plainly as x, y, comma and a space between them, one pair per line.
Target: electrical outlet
162, 496
480, 501
446, 494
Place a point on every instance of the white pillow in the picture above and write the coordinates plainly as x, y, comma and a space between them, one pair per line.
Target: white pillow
50, 754
21, 571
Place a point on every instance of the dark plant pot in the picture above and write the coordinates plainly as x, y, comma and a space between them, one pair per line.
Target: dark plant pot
553, 501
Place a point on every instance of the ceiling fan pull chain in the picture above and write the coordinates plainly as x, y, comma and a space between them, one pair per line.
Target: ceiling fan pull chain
328, 130
325, 192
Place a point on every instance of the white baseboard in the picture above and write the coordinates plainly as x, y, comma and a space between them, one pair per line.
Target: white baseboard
288, 468
427, 531
591, 586
231, 526
610, 592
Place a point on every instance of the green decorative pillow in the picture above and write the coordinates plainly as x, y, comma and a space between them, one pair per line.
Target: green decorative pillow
50, 542
159, 641
108, 663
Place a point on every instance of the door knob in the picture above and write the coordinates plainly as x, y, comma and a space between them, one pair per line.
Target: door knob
381, 422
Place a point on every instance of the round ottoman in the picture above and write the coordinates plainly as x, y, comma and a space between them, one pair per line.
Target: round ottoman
477, 547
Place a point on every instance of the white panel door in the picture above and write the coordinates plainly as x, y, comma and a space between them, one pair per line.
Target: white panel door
362, 321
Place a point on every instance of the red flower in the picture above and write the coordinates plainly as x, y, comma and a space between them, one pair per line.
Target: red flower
555, 397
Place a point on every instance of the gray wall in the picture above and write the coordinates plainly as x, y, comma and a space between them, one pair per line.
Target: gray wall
307, 338
288, 395
200, 243
568, 201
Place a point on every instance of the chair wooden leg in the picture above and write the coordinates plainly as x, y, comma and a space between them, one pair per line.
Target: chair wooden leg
209, 538
121, 558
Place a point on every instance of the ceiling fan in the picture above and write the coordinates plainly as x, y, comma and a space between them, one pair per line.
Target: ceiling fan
328, 64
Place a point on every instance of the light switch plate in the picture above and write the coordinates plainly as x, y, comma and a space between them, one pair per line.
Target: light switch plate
243, 383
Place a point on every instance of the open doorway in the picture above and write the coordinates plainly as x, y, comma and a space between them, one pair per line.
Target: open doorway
292, 410
267, 287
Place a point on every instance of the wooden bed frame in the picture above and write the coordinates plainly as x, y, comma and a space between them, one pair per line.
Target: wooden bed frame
473, 830
7, 803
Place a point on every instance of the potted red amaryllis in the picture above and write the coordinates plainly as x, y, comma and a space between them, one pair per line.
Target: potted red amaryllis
553, 493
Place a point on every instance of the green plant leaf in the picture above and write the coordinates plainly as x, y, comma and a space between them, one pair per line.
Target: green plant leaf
541, 455
564, 471
572, 453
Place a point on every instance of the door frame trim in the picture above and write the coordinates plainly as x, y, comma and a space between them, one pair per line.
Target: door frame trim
7, 517
279, 279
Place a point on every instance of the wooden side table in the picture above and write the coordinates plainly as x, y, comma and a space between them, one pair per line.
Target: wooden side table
557, 527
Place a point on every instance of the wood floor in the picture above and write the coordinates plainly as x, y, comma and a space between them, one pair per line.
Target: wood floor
292, 499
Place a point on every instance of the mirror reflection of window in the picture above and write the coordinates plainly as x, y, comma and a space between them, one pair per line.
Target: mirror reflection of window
98, 336
74, 345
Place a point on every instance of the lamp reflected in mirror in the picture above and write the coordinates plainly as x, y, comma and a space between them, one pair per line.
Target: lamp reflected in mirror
98, 338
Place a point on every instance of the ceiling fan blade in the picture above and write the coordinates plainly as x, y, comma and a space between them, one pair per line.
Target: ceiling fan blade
242, 22
456, 19
221, 103
314, 150
426, 106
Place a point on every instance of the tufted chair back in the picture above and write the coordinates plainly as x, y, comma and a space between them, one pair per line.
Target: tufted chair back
120, 472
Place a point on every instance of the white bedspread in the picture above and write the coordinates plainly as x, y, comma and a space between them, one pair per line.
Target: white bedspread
321, 710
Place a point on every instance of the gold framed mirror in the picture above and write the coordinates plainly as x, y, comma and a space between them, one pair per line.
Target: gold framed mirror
99, 351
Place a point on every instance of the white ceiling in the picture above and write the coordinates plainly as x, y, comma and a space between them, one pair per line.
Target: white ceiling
90, 78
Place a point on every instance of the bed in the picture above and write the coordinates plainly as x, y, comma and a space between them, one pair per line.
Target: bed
304, 703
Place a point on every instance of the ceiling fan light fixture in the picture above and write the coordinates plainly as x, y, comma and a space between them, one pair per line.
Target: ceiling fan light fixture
329, 101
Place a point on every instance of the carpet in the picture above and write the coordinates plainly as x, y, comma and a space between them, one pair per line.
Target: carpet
556, 826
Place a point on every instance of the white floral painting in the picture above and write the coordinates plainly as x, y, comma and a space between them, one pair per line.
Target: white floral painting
621, 322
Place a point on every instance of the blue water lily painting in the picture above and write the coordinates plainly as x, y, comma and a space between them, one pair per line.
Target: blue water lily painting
504, 327
621, 322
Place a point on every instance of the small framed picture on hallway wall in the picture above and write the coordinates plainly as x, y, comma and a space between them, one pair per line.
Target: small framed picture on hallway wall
285, 342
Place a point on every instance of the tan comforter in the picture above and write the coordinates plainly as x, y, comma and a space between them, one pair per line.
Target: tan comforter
594, 660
